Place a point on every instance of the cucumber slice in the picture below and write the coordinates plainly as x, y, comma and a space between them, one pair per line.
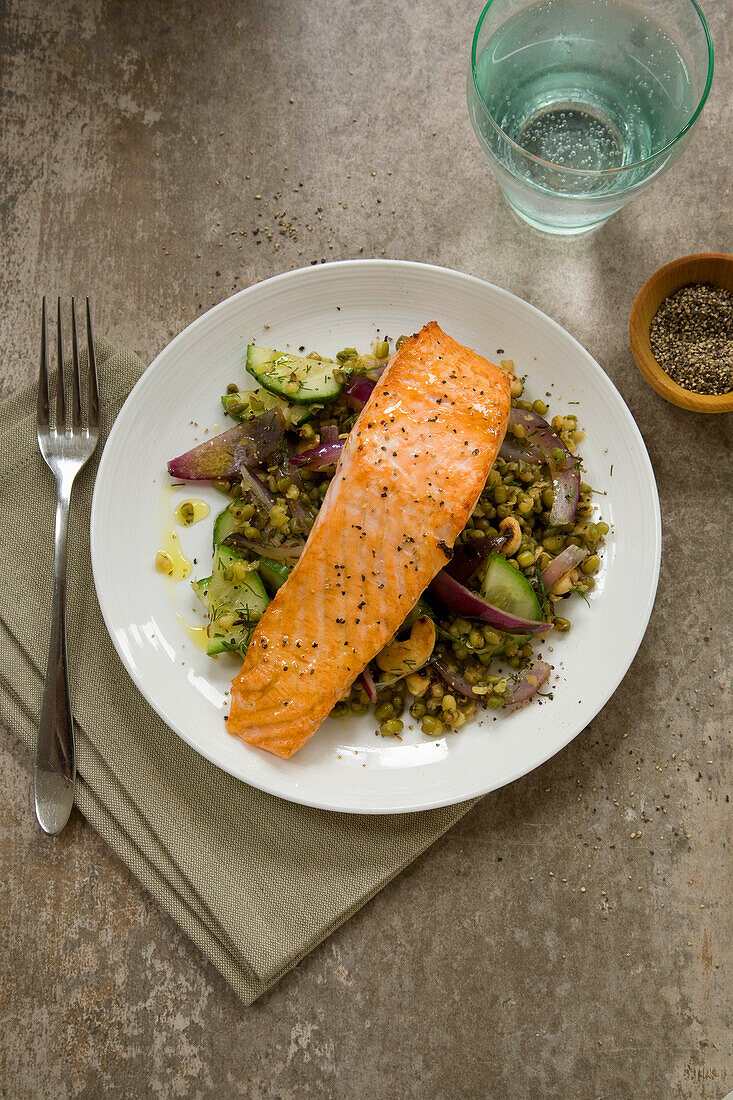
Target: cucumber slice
280, 372
507, 588
237, 600
201, 588
225, 524
223, 643
244, 405
273, 573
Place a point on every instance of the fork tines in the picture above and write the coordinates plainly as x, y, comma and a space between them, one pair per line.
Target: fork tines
92, 401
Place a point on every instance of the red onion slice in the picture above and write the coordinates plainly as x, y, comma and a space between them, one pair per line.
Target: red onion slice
566, 486
367, 682
562, 564
223, 456
263, 498
301, 515
511, 451
455, 682
564, 469
531, 681
320, 457
358, 392
287, 552
470, 556
471, 606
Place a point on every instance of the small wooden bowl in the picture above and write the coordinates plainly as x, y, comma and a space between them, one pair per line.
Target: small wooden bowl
701, 267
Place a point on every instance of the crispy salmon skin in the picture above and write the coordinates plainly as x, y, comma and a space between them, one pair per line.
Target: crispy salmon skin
407, 481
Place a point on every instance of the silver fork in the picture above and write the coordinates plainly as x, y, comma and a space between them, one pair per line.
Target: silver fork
66, 447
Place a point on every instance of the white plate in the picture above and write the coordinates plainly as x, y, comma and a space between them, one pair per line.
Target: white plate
345, 766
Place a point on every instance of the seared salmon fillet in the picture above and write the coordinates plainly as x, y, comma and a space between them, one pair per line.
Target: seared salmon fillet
407, 481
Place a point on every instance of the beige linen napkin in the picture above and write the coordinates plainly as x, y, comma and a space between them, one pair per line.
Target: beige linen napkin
255, 882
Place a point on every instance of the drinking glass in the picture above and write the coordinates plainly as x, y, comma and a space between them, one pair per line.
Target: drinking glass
579, 104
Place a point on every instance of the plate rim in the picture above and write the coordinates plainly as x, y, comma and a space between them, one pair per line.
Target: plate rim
298, 797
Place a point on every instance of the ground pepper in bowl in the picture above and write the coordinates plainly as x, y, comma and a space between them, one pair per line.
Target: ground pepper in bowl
691, 337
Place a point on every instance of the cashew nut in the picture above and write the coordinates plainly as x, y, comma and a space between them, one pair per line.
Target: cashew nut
564, 584
509, 526
400, 658
417, 685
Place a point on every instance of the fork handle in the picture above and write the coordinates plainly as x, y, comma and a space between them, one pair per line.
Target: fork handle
54, 772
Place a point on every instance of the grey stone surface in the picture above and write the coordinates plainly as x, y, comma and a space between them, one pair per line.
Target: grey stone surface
569, 938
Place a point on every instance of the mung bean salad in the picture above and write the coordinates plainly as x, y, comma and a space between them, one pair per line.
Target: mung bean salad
531, 546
